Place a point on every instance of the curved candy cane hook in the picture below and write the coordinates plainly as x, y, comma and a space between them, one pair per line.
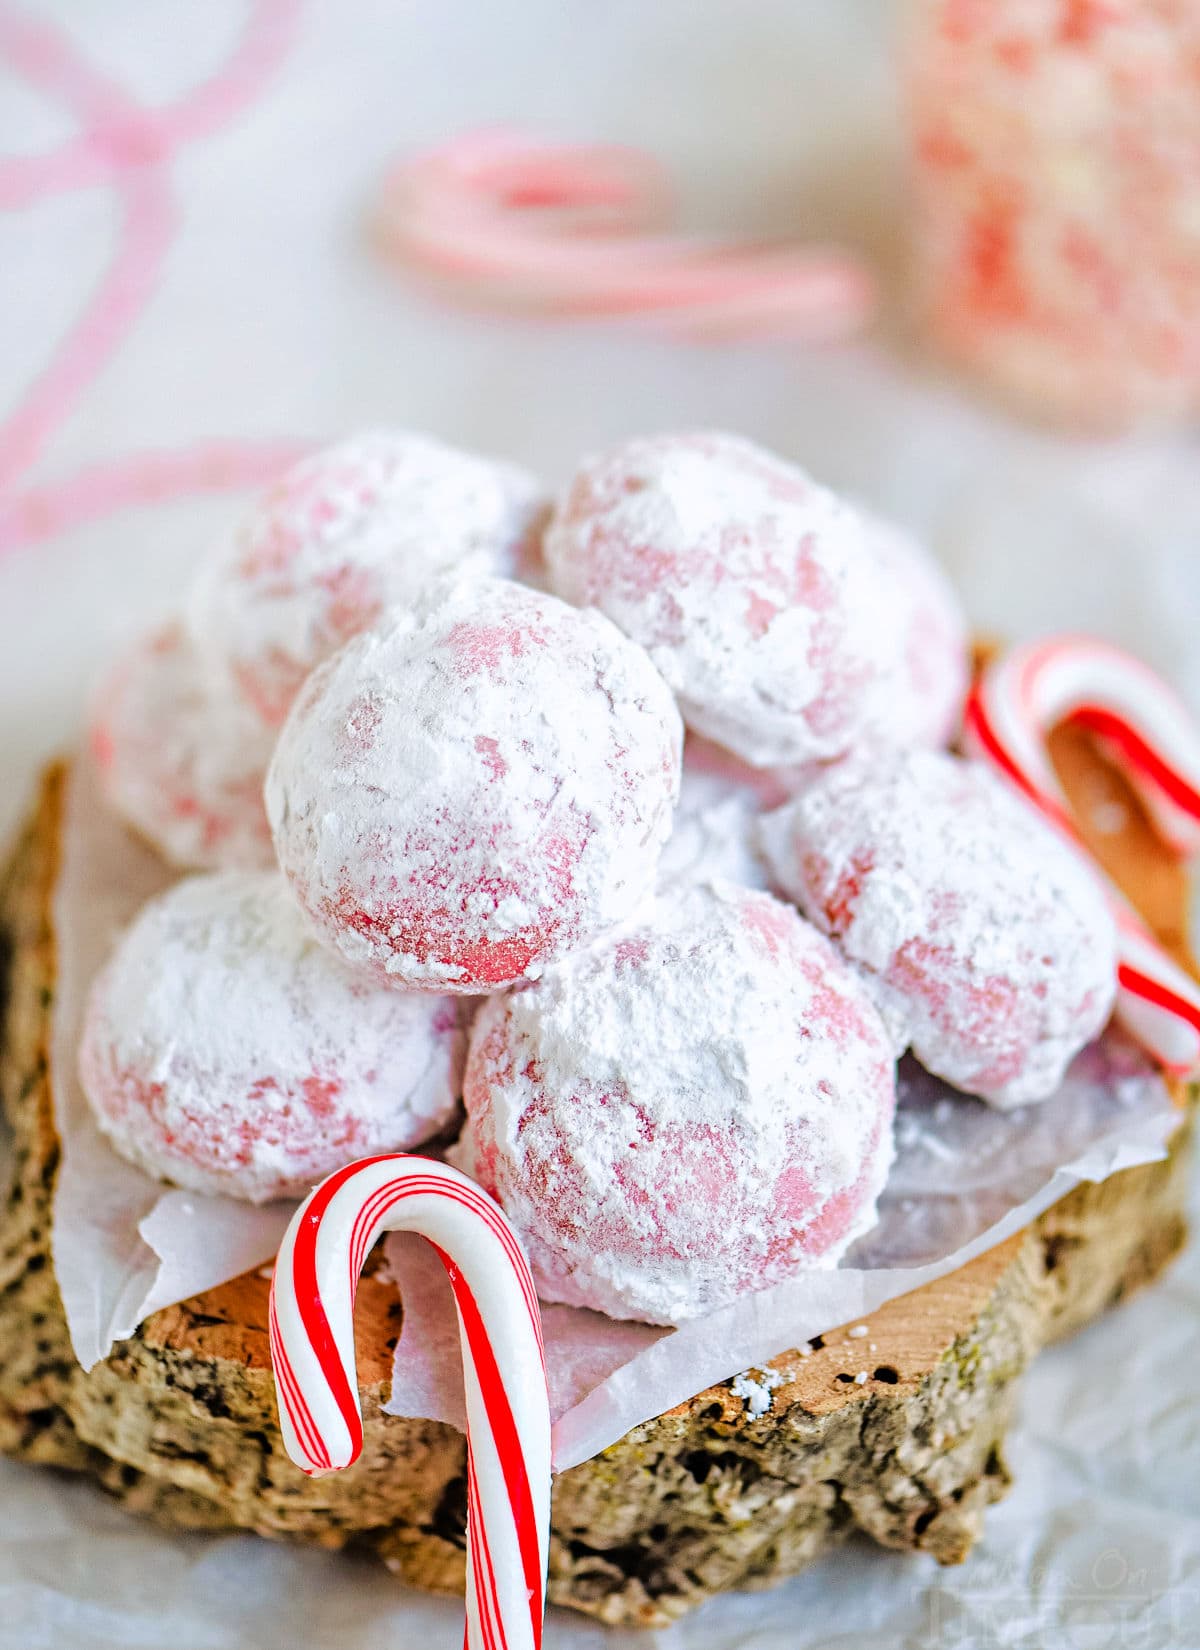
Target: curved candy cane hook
581, 229
1150, 735
508, 1412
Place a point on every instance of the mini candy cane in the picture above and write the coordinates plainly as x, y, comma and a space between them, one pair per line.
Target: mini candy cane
1152, 738
508, 1415
579, 229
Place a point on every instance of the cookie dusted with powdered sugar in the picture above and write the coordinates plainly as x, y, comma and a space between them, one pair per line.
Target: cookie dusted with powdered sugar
696, 1106
750, 586
716, 825
180, 758
917, 701
476, 787
225, 1050
986, 939
344, 534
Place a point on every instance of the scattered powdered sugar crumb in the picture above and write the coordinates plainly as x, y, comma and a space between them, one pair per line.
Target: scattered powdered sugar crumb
754, 1387
1110, 818
858, 1333
913, 1133
861, 1378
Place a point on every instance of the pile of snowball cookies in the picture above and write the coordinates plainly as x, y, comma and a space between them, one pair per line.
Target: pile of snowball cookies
422, 735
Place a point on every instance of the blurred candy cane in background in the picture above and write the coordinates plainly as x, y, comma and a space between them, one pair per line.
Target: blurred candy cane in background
512, 221
1055, 150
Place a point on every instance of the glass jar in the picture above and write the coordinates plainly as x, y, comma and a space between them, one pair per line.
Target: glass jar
1055, 152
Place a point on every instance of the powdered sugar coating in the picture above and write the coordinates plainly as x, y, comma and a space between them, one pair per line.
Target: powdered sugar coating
749, 585
180, 758
696, 1106
225, 1050
344, 534
715, 831
770, 787
918, 701
714, 834
480, 784
986, 939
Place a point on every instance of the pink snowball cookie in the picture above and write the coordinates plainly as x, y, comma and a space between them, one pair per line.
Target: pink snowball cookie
227, 1051
697, 1106
917, 702
180, 759
987, 941
343, 535
750, 586
474, 788
716, 825
714, 834
769, 787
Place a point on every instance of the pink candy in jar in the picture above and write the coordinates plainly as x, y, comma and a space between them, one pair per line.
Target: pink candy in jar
1056, 159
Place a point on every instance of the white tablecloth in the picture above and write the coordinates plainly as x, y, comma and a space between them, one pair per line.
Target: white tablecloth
272, 320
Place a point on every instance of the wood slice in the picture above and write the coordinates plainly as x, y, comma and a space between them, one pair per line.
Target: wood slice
179, 1421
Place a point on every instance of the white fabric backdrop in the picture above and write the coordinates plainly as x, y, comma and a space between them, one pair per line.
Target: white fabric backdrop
273, 321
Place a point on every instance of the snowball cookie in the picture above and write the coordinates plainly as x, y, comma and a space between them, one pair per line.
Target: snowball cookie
715, 831
477, 786
697, 1106
344, 534
770, 787
987, 939
918, 701
750, 586
180, 758
227, 1051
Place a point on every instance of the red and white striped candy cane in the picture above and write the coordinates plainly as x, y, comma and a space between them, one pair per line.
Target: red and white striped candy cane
508, 1413
581, 229
1152, 737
